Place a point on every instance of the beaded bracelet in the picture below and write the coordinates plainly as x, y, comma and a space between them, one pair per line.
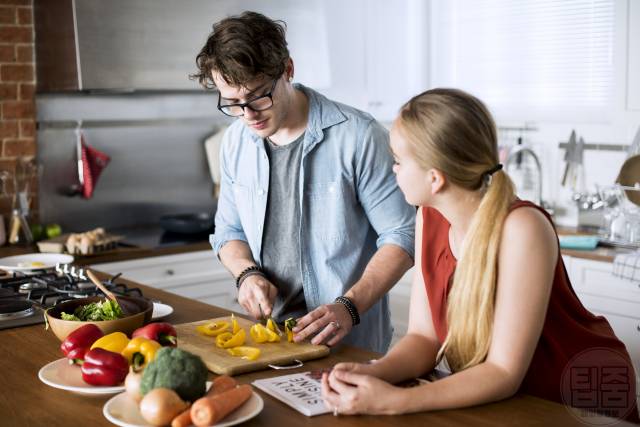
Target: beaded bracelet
351, 308
249, 271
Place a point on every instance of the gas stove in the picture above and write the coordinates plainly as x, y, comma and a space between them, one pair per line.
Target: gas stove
24, 296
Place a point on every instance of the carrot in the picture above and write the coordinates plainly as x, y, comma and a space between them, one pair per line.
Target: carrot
182, 420
221, 384
209, 410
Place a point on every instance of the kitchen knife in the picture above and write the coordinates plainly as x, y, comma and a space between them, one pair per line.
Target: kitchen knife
568, 155
634, 148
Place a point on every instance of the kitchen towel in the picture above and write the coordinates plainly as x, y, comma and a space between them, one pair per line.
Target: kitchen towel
93, 162
627, 266
212, 147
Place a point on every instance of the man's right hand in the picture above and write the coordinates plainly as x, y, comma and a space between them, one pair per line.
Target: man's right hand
256, 292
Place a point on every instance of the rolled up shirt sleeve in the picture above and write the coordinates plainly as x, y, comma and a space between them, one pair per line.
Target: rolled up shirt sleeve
385, 206
228, 225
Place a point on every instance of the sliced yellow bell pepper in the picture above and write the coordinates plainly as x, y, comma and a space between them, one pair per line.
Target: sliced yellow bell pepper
115, 342
247, 353
259, 333
289, 324
273, 326
229, 340
213, 329
235, 326
140, 351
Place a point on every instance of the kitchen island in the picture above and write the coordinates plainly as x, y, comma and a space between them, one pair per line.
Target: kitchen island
25, 401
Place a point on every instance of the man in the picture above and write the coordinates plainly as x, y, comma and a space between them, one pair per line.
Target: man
310, 220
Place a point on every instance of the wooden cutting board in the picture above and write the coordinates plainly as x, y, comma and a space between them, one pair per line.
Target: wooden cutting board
221, 362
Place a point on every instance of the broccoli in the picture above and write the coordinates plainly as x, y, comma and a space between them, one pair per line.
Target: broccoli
179, 370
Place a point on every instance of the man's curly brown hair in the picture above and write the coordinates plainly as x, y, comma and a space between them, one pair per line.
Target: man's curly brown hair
242, 48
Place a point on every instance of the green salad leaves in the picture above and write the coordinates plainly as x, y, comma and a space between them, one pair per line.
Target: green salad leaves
95, 311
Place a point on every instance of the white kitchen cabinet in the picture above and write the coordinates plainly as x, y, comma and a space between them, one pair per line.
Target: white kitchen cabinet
198, 275
377, 53
616, 299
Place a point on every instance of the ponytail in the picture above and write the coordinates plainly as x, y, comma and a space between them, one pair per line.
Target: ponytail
471, 300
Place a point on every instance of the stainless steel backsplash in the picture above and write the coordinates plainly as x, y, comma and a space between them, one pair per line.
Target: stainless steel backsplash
156, 144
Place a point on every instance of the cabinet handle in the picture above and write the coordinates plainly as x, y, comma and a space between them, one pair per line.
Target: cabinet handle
169, 272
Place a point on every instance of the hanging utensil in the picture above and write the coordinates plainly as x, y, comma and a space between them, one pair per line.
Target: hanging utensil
568, 155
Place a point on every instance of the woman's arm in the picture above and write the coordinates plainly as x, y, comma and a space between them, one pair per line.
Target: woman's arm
527, 259
401, 363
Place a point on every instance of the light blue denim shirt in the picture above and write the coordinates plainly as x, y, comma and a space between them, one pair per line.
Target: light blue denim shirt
350, 205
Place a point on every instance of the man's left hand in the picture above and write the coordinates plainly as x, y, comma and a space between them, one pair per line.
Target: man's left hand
331, 323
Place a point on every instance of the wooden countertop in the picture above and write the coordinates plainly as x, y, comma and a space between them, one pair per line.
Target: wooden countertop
119, 254
601, 253
25, 401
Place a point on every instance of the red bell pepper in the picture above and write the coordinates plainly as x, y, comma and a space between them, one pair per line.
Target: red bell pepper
79, 341
164, 333
105, 368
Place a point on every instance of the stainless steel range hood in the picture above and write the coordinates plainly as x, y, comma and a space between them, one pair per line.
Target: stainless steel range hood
121, 45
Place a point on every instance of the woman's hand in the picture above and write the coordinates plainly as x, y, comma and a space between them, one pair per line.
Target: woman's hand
346, 392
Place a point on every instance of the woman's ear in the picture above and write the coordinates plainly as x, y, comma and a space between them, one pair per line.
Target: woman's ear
437, 181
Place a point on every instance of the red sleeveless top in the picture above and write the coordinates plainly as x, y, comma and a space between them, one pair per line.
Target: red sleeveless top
568, 329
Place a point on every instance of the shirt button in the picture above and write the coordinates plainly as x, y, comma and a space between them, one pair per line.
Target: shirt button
261, 192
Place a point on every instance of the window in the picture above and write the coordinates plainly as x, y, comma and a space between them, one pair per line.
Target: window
528, 60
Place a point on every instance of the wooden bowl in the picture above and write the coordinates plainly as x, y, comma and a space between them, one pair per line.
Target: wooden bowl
140, 310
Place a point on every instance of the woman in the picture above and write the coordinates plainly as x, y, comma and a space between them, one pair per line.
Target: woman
508, 320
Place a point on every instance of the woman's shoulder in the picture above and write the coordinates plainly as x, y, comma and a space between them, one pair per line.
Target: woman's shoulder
526, 223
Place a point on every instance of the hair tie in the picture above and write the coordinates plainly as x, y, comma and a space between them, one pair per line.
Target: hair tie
494, 169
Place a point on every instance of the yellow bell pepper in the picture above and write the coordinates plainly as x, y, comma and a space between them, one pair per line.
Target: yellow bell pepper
247, 353
229, 340
115, 342
259, 333
289, 324
273, 326
235, 326
213, 329
140, 351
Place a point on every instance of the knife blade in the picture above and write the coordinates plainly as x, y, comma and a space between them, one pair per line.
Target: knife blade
568, 155
634, 148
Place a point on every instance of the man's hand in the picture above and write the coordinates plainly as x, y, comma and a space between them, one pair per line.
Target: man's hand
331, 323
257, 296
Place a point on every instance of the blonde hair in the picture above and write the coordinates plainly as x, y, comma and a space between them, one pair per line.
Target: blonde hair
453, 132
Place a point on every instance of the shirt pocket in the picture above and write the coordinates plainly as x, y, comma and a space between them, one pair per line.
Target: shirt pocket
327, 204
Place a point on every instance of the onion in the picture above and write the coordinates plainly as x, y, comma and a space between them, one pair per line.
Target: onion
161, 405
132, 385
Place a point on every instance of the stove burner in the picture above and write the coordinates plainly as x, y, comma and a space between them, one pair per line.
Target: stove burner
25, 288
14, 309
24, 297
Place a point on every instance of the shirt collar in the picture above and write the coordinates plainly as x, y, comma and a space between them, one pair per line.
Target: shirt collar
323, 113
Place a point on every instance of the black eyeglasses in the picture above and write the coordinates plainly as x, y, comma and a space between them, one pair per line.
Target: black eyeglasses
260, 103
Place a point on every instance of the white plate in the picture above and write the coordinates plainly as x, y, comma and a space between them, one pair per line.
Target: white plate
160, 311
25, 262
123, 411
60, 374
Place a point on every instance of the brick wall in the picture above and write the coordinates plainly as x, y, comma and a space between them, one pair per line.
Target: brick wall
17, 86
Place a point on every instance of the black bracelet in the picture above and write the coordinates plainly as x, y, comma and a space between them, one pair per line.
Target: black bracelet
249, 271
351, 308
